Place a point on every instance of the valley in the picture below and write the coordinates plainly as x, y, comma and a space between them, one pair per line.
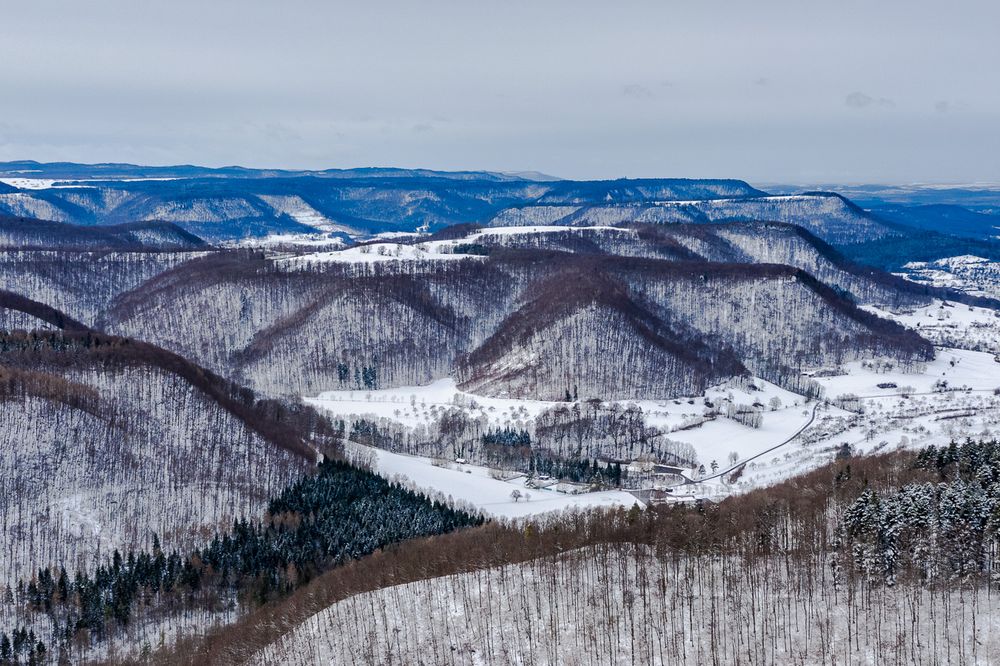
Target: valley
499, 334
556, 353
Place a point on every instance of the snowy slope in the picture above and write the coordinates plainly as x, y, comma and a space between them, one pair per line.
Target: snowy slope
472, 485
621, 606
828, 216
304, 214
966, 273
141, 452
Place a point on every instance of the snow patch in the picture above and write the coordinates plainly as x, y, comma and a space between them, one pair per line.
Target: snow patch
473, 484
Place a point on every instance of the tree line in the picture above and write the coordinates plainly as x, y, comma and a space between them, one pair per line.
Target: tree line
338, 514
747, 574
945, 528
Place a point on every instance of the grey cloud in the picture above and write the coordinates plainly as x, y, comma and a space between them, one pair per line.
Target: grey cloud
942, 106
637, 91
574, 87
859, 100
281, 132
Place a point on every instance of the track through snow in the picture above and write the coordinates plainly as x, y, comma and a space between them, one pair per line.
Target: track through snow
744, 463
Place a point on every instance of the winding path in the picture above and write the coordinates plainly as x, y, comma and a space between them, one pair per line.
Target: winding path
733, 468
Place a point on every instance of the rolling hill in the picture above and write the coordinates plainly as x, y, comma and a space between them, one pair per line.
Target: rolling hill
363, 318
107, 441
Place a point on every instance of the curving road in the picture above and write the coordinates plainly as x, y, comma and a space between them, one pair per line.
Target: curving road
733, 468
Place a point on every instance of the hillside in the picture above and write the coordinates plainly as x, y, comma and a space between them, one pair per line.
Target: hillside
823, 564
87, 412
545, 334
581, 333
315, 322
645, 189
234, 203
729, 242
33, 234
133, 478
826, 215
77, 479
82, 283
111, 446
536, 612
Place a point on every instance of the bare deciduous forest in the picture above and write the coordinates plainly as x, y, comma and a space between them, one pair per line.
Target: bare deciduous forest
163, 502
778, 575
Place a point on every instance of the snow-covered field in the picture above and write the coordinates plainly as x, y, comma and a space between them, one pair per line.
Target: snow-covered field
473, 485
411, 405
30, 183
380, 252
952, 397
967, 273
387, 247
310, 241
955, 325
714, 439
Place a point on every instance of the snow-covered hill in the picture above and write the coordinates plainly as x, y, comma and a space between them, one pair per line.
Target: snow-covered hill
82, 284
973, 275
621, 605
319, 322
233, 204
521, 370
828, 216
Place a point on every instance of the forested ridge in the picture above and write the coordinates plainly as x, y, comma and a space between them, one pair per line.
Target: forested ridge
234, 204
282, 423
107, 440
157, 481
323, 520
674, 308
826, 214
719, 583
291, 325
23, 233
41, 311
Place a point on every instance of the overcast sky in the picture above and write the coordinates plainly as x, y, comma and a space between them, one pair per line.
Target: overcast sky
770, 91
